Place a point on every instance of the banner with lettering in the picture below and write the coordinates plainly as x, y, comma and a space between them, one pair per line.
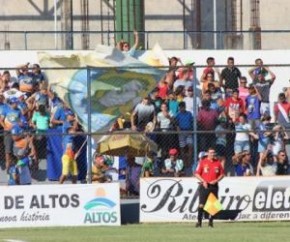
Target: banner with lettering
65, 205
243, 199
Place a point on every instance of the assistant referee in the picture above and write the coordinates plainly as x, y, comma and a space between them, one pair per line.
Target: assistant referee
209, 172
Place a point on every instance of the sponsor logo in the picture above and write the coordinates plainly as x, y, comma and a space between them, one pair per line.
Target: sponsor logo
100, 210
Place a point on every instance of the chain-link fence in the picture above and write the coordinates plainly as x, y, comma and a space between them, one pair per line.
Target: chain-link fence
166, 121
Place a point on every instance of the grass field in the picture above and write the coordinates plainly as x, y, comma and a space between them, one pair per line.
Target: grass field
236, 232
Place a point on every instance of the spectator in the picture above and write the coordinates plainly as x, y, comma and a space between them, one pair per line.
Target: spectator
243, 89
253, 104
5, 81
209, 80
259, 68
38, 74
230, 77
69, 164
210, 69
267, 166
40, 122
26, 79
234, 106
207, 121
213, 104
184, 80
124, 46
277, 142
163, 88
243, 133
282, 163
99, 169
172, 103
148, 165
133, 173
165, 124
242, 164
221, 140
265, 134
23, 167
173, 166
189, 102
184, 123
282, 111
143, 113
10, 116
263, 86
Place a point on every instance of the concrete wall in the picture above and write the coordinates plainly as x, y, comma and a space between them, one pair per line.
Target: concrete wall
164, 15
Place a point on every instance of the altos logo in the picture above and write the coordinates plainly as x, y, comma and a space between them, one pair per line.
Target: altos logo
100, 209
272, 196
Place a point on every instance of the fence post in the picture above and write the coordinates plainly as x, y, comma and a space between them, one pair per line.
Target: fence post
89, 135
25, 40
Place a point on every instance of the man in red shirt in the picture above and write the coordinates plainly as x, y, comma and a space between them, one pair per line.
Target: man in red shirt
234, 106
209, 172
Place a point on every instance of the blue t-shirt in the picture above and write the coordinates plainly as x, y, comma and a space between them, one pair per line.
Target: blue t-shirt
240, 169
253, 105
184, 120
67, 139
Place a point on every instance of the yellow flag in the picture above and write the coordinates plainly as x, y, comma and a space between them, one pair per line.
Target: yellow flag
212, 205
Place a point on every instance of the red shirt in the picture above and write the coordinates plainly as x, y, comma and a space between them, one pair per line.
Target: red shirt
209, 170
234, 108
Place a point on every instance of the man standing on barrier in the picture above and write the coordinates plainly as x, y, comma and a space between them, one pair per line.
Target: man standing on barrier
209, 172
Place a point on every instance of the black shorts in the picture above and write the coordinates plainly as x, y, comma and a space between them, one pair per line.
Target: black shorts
8, 143
204, 192
220, 150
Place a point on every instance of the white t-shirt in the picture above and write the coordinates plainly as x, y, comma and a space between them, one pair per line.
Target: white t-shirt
242, 131
189, 104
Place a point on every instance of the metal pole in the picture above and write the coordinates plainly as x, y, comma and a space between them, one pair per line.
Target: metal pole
25, 40
214, 25
55, 24
89, 158
195, 150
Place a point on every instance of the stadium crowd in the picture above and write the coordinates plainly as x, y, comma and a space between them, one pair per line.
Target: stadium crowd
231, 115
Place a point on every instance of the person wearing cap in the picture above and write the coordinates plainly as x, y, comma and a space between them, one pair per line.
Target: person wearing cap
173, 167
209, 172
201, 155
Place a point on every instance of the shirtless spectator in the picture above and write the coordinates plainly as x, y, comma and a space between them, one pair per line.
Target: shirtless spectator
210, 69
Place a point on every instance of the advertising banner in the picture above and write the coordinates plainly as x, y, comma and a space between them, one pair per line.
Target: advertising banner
65, 205
244, 199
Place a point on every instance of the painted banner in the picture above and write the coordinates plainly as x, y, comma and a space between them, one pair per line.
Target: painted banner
118, 83
65, 205
176, 199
